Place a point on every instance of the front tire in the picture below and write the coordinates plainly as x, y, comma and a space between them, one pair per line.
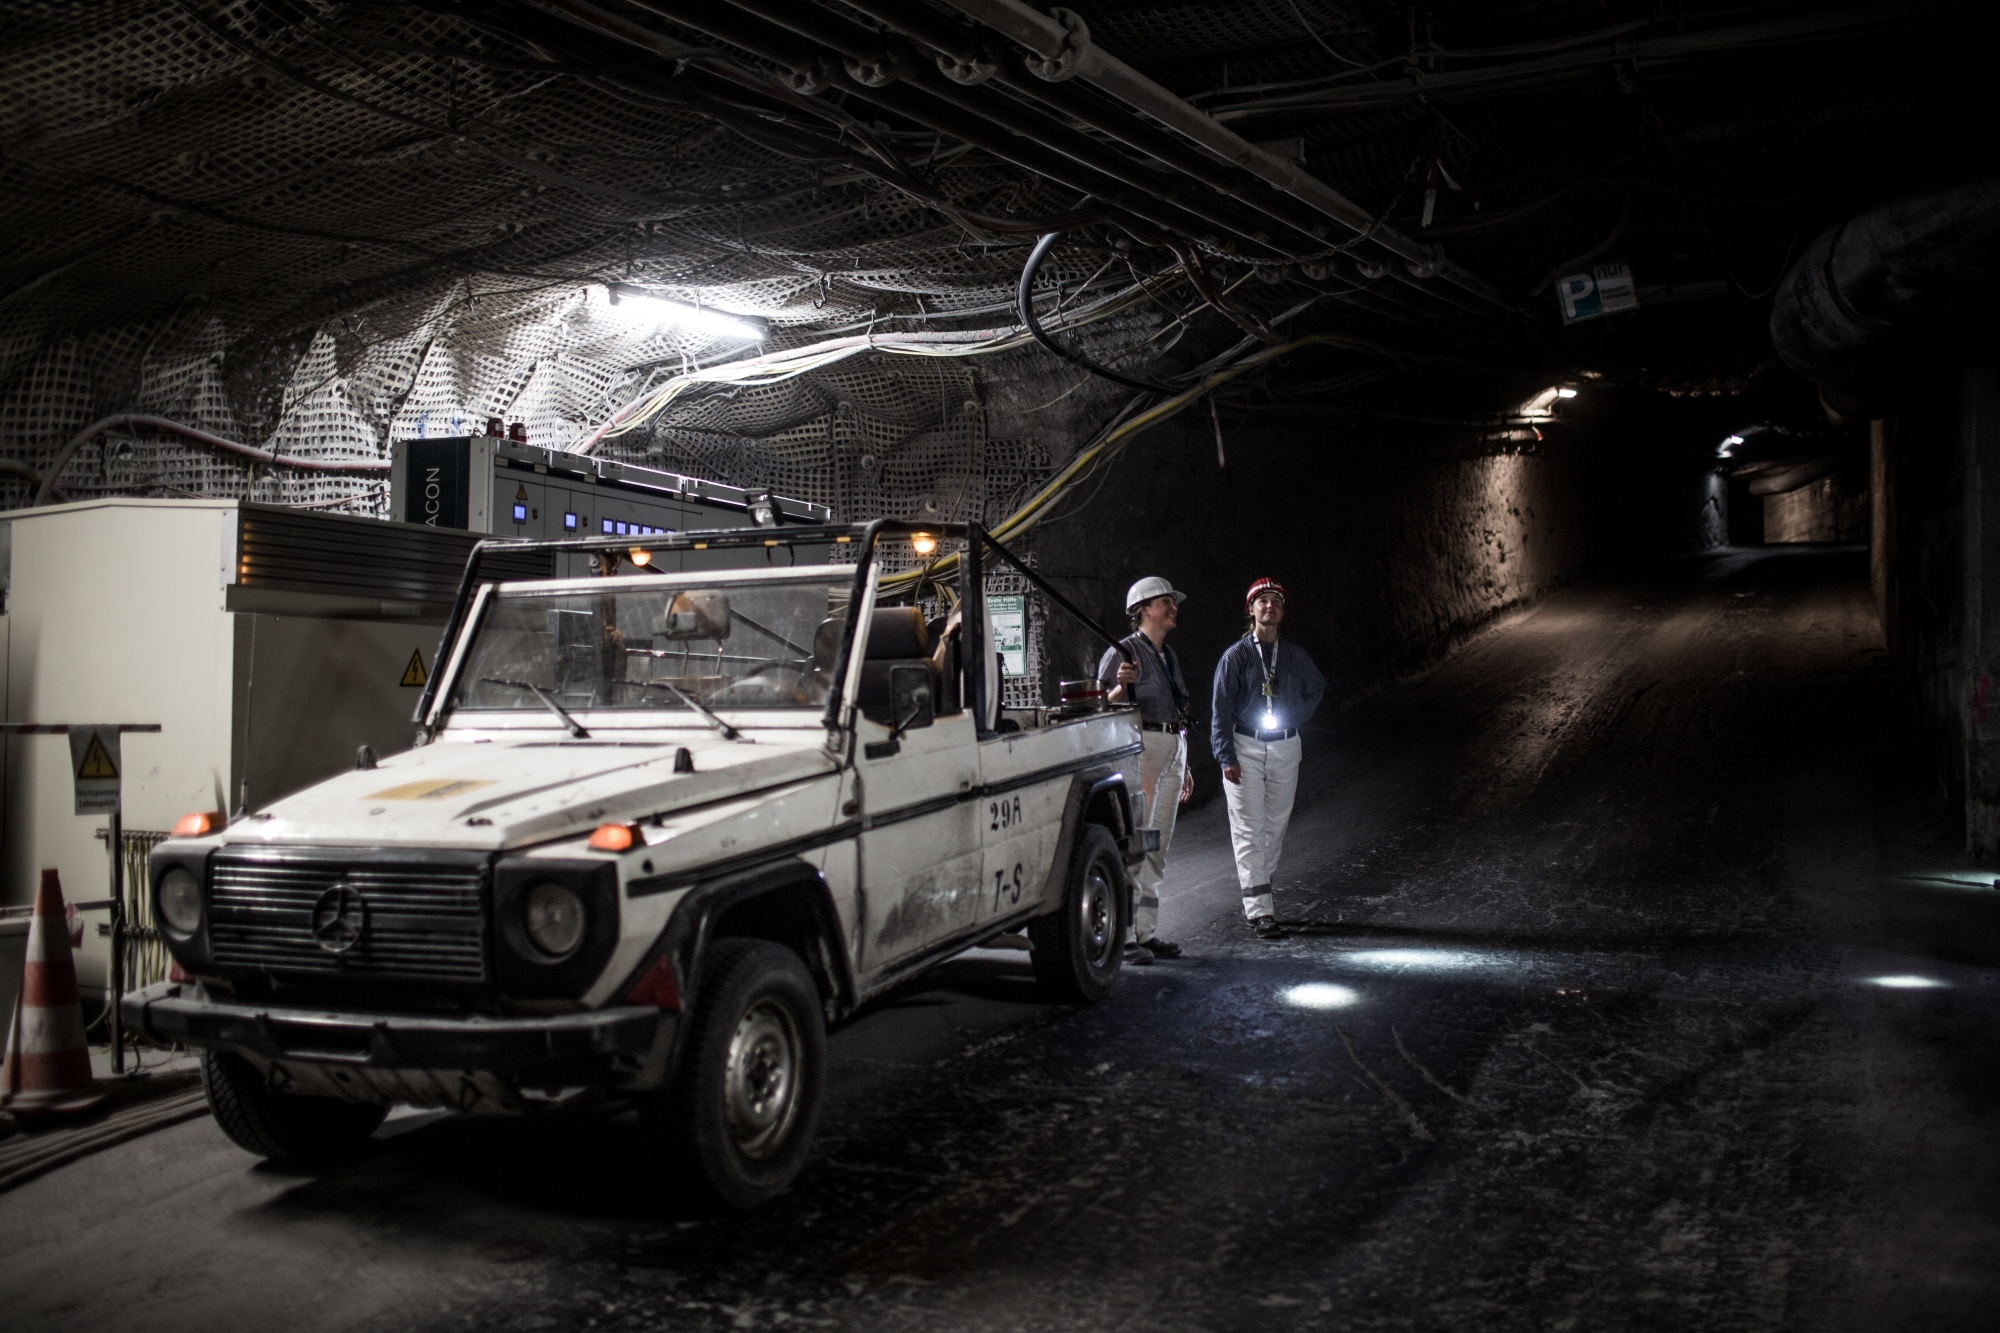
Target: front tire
1078, 947
739, 1117
282, 1126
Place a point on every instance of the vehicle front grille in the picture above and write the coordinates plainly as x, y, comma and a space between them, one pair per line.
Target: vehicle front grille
418, 919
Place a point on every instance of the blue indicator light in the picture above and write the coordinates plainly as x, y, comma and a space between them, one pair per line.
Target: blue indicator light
569, 522
520, 513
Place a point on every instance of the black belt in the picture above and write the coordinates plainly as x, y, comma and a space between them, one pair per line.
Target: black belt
1282, 734
1167, 727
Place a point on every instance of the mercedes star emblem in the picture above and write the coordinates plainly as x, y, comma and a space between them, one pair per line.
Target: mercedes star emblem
339, 919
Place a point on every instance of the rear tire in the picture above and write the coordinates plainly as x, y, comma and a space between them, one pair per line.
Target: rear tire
1080, 946
281, 1125
738, 1119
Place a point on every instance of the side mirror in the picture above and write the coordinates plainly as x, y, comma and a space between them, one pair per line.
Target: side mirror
695, 615
910, 698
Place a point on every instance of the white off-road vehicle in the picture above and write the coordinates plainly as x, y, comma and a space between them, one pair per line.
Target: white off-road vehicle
660, 829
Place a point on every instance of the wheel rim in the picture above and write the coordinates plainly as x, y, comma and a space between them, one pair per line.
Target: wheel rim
1097, 919
761, 1081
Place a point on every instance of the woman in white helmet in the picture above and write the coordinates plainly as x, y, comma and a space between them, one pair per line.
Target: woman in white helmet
1148, 674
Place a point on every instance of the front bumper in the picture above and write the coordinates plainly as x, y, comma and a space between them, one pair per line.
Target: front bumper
619, 1047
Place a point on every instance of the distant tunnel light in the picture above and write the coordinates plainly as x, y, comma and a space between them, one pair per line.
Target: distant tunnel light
1565, 393
1907, 982
643, 308
1319, 995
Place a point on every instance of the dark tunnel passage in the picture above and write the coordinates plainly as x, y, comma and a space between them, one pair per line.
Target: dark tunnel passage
788, 922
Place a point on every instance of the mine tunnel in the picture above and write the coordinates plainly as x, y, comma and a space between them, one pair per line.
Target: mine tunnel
1481, 508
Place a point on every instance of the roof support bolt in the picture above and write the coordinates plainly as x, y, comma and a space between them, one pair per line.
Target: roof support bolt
878, 72
815, 78
971, 73
1068, 61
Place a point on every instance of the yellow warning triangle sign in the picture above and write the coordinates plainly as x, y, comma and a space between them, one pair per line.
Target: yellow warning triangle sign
97, 762
522, 494
414, 673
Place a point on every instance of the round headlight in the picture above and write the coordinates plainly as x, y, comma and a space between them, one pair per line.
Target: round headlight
180, 901
553, 917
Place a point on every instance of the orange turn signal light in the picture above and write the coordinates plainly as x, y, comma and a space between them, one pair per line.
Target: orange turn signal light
614, 837
200, 822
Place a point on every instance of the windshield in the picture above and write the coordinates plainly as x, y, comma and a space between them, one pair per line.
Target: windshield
741, 645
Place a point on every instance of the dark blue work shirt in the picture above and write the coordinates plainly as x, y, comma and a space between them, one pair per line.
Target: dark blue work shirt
1239, 691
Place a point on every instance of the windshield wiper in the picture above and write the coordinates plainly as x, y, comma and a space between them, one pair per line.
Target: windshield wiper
548, 701
728, 732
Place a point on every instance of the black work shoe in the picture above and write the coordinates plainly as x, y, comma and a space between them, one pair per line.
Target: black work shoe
1137, 956
1267, 928
1161, 948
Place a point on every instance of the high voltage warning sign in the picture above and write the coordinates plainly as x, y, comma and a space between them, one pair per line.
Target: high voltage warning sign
93, 753
414, 673
97, 761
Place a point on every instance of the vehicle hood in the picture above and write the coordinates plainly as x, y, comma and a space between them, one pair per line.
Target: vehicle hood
493, 794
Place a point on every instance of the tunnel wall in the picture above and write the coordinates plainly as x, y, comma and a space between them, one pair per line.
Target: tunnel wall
1935, 523
1833, 508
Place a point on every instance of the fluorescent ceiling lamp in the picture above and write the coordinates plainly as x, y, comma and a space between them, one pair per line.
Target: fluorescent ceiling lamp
1565, 393
1318, 995
642, 307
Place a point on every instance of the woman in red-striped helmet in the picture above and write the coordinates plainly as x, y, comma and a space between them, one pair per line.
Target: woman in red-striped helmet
1266, 688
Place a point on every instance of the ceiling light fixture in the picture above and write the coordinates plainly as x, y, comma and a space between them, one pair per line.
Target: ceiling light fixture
643, 308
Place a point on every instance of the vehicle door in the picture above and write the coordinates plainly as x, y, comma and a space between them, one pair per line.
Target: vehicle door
919, 845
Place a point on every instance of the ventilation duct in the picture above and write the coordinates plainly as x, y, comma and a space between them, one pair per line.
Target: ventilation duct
1890, 291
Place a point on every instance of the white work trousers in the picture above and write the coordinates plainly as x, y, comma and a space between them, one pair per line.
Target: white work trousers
1161, 769
1259, 808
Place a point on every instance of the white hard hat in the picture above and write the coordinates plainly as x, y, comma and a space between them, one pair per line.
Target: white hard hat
1145, 590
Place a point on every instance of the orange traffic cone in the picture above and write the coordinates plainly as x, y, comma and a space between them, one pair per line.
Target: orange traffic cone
48, 1063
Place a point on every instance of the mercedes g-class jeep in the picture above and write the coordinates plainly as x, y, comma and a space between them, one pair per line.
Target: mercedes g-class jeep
659, 829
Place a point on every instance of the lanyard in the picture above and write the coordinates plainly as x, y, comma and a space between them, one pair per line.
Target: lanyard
1269, 669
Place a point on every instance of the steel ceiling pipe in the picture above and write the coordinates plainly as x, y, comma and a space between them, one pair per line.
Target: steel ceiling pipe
874, 66
961, 45
981, 125
1066, 51
805, 62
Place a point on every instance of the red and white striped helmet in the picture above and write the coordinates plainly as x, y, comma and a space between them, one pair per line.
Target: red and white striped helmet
1263, 586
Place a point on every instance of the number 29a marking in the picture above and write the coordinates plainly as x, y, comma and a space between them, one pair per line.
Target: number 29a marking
1006, 886
1003, 814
